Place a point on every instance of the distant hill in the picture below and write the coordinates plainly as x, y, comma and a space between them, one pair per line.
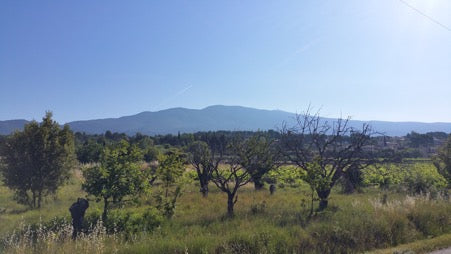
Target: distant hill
188, 120
9, 126
216, 118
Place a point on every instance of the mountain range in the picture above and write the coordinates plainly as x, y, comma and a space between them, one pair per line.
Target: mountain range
183, 120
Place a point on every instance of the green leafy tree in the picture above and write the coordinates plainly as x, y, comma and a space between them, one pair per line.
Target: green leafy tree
38, 160
416, 139
169, 173
118, 175
151, 154
205, 161
142, 141
443, 161
258, 156
423, 178
200, 158
89, 152
318, 178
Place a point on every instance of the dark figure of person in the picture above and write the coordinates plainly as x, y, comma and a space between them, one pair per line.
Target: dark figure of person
77, 211
272, 189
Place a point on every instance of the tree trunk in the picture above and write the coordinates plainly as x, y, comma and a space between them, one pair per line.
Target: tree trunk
34, 200
39, 199
323, 199
204, 185
323, 204
348, 187
311, 205
258, 185
230, 204
105, 210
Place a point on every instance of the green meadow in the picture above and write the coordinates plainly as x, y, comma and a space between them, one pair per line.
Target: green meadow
369, 220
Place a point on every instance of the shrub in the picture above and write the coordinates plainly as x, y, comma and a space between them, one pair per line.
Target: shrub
131, 222
424, 178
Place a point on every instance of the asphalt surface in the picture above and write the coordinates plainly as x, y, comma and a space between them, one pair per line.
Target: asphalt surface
442, 251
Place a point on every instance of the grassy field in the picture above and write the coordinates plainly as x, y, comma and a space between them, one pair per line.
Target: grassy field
263, 223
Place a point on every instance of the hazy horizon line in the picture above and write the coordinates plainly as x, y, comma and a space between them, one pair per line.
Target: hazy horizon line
224, 105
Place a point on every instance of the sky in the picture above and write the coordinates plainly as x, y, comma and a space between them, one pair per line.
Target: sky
371, 60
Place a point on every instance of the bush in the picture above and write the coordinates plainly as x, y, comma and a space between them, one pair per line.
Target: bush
422, 178
128, 222
131, 222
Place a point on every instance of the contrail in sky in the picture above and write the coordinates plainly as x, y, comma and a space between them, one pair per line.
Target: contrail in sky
298, 51
426, 16
182, 91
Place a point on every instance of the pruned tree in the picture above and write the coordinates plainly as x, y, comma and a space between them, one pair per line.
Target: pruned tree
118, 175
200, 157
231, 176
258, 156
205, 158
324, 150
38, 160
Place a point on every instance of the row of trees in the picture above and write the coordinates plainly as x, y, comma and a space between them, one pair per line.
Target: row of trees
89, 146
325, 151
37, 161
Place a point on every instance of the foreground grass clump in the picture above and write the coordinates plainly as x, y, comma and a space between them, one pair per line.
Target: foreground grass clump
263, 223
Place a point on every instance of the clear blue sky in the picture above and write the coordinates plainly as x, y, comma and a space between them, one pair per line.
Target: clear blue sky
372, 59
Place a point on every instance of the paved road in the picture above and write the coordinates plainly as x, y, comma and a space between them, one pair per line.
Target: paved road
443, 251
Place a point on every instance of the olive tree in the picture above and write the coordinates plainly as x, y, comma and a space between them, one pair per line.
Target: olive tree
37, 160
324, 150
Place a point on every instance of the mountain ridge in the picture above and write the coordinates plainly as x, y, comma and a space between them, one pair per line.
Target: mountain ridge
216, 117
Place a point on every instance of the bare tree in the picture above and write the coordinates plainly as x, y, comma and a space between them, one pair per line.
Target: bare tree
231, 176
324, 150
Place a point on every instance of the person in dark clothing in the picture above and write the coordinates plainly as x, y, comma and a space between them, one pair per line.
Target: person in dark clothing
77, 211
